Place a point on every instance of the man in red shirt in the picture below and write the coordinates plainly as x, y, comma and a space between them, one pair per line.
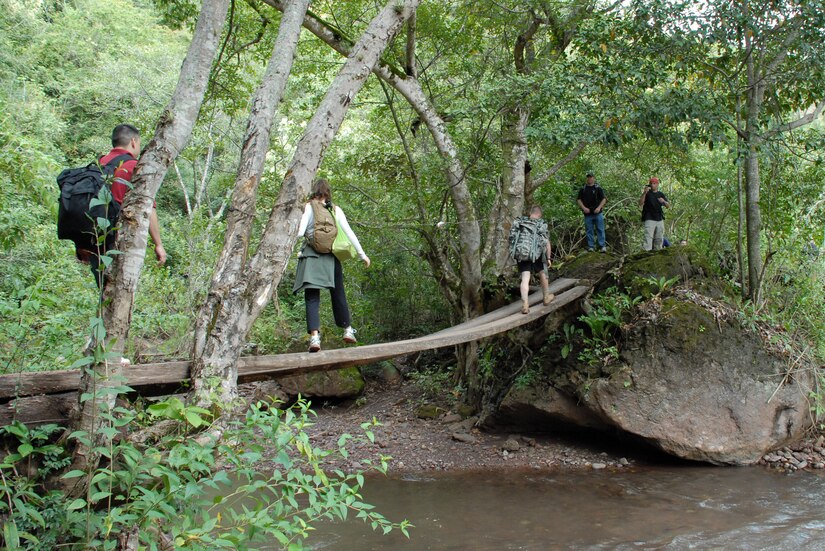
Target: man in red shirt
125, 141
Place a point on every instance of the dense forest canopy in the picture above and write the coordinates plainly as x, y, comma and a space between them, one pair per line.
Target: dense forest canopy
624, 90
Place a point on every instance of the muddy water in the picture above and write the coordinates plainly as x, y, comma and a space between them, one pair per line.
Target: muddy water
651, 508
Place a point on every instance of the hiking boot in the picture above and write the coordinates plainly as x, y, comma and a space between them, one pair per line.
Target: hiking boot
315, 342
603, 250
349, 335
548, 298
525, 307
590, 249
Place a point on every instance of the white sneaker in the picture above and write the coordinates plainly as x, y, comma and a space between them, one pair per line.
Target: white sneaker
349, 336
315, 342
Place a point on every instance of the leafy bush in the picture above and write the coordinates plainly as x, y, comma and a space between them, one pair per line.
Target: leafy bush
262, 481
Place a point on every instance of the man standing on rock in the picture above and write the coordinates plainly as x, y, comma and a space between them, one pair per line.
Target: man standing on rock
653, 217
591, 200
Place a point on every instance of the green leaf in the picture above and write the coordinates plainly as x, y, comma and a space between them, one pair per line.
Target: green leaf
25, 450
78, 503
17, 429
10, 535
193, 418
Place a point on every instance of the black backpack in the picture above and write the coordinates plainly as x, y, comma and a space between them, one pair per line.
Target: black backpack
76, 219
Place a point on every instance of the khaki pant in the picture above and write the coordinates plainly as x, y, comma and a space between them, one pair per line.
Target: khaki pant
654, 232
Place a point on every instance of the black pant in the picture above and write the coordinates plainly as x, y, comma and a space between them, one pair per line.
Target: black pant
340, 308
89, 252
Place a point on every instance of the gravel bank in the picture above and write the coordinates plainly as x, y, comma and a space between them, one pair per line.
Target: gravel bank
447, 442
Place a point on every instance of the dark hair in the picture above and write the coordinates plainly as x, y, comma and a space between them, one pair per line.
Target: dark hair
123, 134
321, 190
589, 175
534, 209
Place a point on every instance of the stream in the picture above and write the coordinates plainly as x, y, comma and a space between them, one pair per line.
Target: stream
666, 507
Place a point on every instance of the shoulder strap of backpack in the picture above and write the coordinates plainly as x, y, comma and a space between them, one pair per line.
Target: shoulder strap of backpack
111, 166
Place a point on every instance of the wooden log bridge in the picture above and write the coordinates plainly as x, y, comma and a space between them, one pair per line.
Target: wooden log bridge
47, 396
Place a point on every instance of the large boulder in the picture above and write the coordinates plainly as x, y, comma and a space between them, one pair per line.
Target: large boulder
689, 379
701, 388
337, 384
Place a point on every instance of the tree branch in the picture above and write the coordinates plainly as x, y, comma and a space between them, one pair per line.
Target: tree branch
541, 179
805, 119
522, 43
410, 68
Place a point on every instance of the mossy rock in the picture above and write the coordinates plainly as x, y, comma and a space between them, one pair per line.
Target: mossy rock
643, 274
340, 383
586, 265
687, 322
429, 411
465, 410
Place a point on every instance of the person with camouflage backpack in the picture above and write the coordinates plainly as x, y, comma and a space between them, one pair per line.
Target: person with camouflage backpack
530, 248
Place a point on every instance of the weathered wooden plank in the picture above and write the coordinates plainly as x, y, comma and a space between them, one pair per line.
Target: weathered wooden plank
39, 410
557, 287
285, 364
52, 382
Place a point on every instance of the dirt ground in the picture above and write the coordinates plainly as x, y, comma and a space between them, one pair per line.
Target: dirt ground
450, 443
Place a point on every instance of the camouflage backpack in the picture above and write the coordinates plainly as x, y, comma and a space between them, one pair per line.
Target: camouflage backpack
528, 239
321, 234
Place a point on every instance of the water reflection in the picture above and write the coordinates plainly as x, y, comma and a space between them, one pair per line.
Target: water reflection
656, 508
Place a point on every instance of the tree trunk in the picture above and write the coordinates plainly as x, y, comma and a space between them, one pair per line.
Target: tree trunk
228, 269
171, 134
510, 199
214, 371
740, 223
755, 96
754, 223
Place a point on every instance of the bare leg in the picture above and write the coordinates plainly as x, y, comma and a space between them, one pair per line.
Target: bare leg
525, 292
545, 286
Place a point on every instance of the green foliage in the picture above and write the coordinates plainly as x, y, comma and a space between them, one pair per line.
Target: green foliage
638, 93
571, 333
659, 285
604, 321
199, 493
437, 384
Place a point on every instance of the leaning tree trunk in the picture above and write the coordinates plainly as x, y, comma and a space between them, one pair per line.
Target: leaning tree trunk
214, 372
229, 268
173, 131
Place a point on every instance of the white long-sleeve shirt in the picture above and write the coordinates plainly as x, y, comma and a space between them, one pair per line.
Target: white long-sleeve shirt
341, 218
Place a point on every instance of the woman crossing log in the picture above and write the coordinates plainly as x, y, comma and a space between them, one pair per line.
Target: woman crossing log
318, 268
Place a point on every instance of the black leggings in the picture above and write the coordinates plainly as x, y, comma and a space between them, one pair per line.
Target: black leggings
340, 308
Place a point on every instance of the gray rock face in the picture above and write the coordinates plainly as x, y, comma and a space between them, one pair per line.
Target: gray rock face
701, 392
